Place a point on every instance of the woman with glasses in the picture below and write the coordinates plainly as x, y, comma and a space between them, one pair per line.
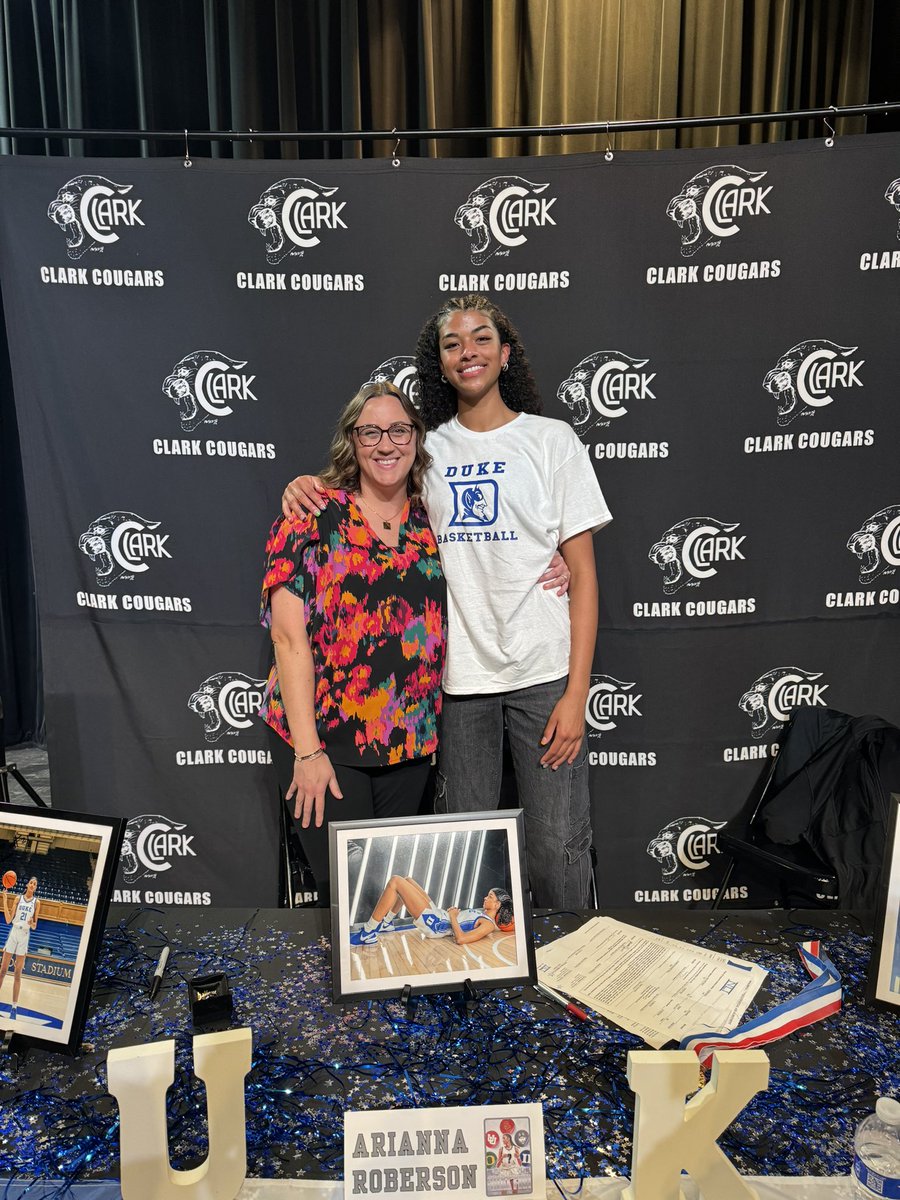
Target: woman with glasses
354, 598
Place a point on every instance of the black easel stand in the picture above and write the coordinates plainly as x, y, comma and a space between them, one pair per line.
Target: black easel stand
7, 769
409, 1001
462, 1000
467, 998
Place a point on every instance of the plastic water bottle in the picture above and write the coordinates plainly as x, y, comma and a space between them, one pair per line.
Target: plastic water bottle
876, 1151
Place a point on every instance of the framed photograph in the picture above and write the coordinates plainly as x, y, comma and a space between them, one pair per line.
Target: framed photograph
56, 876
429, 903
884, 969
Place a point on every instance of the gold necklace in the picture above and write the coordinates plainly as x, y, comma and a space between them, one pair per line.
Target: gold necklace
385, 521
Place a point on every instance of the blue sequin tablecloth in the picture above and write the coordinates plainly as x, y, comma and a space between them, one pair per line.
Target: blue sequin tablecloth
312, 1060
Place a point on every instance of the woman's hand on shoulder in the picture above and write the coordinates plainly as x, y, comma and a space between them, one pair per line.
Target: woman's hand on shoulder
303, 495
311, 781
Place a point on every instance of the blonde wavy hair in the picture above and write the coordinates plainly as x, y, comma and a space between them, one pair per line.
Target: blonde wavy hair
343, 468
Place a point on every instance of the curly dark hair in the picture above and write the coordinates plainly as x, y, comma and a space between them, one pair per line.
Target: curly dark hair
505, 914
437, 399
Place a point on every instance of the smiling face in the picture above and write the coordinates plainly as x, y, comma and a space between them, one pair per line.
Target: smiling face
472, 355
384, 467
31, 887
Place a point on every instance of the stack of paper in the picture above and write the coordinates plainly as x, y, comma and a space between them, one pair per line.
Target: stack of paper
656, 987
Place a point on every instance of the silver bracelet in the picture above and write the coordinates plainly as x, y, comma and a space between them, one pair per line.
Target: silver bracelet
308, 757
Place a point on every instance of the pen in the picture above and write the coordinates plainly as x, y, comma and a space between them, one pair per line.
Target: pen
556, 998
158, 973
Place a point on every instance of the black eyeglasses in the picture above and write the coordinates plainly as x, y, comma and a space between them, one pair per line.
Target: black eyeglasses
400, 433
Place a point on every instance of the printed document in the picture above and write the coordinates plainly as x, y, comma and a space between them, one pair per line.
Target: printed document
656, 987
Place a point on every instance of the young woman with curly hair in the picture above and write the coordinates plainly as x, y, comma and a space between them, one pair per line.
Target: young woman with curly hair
505, 488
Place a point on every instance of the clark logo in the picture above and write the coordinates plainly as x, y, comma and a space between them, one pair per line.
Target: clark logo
151, 842
227, 703
291, 214
609, 700
877, 544
401, 372
685, 846
892, 195
597, 389
90, 210
121, 545
711, 203
693, 550
805, 376
497, 214
204, 385
770, 701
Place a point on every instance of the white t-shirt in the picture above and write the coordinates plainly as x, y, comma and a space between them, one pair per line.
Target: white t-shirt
500, 503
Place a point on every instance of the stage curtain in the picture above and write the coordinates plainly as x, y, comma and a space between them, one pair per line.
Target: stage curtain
340, 64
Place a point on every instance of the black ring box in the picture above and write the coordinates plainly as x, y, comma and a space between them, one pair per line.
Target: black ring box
210, 998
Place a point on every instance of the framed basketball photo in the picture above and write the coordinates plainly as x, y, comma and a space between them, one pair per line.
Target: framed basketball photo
56, 871
884, 968
429, 903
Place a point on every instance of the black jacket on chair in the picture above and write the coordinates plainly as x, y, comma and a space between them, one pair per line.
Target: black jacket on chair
830, 789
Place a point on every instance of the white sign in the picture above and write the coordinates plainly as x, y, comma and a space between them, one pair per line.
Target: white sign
495, 1150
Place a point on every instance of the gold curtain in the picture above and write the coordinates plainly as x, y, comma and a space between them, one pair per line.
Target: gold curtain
318, 65
506, 63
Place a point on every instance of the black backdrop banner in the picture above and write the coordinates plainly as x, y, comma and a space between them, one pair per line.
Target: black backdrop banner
718, 326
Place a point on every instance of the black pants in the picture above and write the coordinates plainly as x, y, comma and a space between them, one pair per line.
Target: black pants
369, 793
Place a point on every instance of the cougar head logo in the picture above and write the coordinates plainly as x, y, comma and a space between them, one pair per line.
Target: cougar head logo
401, 372
283, 218
699, 210
892, 195
494, 216
67, 212
877, 544
184, 386
684, 846
788, 380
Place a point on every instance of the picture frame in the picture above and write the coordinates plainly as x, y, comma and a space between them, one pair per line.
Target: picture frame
72, 857
884, 968
455, 861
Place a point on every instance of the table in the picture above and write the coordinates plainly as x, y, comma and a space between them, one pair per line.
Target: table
313, 1059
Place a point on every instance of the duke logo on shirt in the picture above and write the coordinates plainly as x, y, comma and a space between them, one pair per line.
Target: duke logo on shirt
474, 503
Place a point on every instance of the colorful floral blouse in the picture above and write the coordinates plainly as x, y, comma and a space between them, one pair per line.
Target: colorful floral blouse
376, 620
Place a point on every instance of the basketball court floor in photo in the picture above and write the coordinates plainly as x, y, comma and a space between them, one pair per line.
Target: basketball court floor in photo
405, 952
41, 1005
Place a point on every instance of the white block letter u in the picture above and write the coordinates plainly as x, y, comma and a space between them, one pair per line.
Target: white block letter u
138, 1078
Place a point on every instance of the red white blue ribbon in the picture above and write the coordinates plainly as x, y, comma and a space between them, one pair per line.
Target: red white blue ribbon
819, 999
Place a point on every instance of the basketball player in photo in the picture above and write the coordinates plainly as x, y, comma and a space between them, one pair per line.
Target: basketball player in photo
23, 917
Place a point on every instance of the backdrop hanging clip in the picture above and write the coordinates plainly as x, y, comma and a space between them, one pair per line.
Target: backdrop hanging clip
187, 152
395, 161
829, 141
609, 150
